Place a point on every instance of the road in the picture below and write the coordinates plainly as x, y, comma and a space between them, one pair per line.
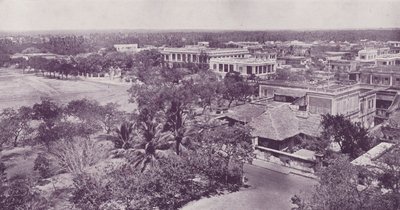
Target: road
269, 190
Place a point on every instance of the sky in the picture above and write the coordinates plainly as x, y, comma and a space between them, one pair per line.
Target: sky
28, 15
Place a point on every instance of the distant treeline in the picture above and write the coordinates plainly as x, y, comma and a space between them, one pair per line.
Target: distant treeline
72, 42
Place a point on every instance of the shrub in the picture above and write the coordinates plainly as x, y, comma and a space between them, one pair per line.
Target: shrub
42, 165
78, 153
90, 193
20, 194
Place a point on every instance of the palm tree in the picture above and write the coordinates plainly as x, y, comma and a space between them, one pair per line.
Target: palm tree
146, 153
125, 138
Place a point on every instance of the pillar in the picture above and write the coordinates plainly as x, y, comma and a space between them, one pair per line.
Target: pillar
391, 80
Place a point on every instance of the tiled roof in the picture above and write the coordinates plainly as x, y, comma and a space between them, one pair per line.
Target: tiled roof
246, 112
282, 122
311, 125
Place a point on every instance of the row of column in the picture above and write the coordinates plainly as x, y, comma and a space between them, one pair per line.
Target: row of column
194, 58
263, 69
245, 69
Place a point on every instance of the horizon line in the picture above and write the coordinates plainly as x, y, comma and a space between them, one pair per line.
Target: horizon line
199, 29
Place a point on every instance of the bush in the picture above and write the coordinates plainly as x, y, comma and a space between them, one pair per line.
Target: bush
90, 193
42, 165
20, 194
167, 186
78, 154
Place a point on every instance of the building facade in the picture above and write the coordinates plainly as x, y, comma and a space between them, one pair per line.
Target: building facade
342, 65
264, 68
126, 47
356, 102
388, 60
199, 55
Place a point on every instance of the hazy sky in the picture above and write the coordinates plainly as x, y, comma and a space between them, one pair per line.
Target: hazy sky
198, 14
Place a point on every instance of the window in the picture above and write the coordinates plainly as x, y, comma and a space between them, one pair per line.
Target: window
386, 81
249, 70
215, 66
221, 67
230, 67
225, 67
362, 107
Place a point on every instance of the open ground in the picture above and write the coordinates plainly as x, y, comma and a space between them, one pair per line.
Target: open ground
18, 89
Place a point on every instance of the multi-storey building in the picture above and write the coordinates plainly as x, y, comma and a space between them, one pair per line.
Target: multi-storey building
385, 80
388, 60
378, 76
394, 43
199, 54
342, 65
367, 55
264, 68
356, 101
394, 46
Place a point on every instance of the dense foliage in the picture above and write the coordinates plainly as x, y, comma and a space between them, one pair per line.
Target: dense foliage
352, 138
343, 185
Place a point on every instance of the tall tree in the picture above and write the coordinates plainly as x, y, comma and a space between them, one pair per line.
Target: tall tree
15, 124
352, 138
236, 88
232, 143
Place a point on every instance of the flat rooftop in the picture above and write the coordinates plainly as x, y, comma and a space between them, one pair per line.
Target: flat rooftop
389, 56
199, 49
330, 87
251, 60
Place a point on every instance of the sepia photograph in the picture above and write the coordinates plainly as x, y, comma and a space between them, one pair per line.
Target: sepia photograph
199, 104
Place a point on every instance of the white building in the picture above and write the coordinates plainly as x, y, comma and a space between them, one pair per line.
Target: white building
200, 54
264, 68
133, 48
394, 43
367, 55
388, 60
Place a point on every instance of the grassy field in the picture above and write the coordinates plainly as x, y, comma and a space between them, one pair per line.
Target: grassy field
17, 89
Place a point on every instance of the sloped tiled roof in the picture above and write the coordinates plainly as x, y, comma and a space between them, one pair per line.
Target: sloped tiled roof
245, 112
311, 125
282, 122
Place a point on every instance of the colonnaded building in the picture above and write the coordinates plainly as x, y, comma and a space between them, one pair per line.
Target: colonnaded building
223, 60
